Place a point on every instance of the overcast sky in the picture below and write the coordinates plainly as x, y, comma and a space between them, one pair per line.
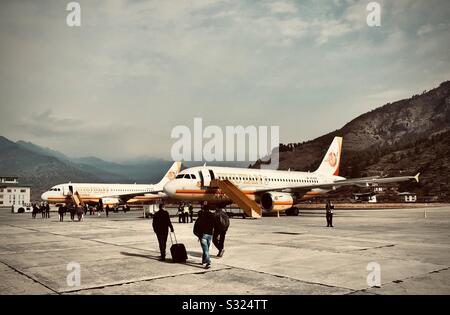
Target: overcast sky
116, 86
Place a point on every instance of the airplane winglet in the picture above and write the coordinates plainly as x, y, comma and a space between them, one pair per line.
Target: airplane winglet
417, 177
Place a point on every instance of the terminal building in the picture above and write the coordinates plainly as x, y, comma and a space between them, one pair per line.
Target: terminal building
12, 193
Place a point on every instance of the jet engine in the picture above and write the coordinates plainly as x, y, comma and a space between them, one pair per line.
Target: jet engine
110, 201
276, 201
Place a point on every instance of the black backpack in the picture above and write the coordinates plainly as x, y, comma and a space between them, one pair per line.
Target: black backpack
223, 221
198, 228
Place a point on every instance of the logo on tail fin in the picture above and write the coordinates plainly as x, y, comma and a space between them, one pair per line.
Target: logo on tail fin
332, 159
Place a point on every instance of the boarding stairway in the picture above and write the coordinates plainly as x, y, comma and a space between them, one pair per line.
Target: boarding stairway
76, 199
250, 207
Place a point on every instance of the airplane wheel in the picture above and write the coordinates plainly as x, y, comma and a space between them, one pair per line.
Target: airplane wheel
295, 212
288, 212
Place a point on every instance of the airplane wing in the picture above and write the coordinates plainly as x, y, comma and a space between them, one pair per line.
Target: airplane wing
128, 196
361, 182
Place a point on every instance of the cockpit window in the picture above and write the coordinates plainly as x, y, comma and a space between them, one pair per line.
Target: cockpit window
187, 176
193, 176
180, 176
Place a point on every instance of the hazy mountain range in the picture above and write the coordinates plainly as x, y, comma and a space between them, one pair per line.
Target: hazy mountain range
43, 167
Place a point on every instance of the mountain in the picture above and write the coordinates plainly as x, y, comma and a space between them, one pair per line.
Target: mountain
403, 137
37, 170
42, 150
139, 171
43, 167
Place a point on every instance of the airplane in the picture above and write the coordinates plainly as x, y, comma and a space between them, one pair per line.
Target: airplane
109, 194
263, 190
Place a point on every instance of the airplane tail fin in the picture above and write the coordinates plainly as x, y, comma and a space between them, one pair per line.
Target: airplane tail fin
332, 159
171, 173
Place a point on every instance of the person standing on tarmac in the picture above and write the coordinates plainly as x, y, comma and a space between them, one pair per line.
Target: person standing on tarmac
61, 213
72, 211
161, 225
329, 213
191, 212
185, 214
107, 210
180, 213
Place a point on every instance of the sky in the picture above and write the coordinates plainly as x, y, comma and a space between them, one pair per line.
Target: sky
117, 85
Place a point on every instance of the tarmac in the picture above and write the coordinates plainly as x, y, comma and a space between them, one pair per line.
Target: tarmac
282, 256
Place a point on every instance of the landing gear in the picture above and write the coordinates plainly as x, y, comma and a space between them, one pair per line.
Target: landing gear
292, 212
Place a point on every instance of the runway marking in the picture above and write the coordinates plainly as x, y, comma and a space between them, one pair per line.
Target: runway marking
29, 277
99, 287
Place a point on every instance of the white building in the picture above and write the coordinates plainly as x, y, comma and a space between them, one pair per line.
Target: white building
11, 193
408, 197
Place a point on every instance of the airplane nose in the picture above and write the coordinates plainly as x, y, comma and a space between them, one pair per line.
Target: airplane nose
170, 189
44, 196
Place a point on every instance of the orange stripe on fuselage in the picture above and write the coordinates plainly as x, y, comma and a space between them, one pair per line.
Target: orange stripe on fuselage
208, 192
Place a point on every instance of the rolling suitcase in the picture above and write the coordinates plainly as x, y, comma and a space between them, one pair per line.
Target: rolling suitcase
177, 250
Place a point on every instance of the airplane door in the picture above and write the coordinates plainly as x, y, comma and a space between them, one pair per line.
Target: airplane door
71, 189
202, 180
205, 178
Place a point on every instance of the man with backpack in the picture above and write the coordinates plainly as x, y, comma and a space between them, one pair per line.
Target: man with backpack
161, 224
203, 229
221, 224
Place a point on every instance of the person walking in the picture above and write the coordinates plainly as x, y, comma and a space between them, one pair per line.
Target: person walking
221, 224
161, 225
107, 210
203, 229
80, 212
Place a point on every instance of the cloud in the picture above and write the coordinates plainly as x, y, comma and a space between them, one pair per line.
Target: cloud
136, 69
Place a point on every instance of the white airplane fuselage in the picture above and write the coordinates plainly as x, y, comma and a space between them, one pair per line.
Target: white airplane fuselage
93, 193
249, 181
111, 194
274, 190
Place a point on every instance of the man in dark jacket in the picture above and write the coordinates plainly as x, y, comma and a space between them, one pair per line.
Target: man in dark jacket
221, 224
329, 213
47, 210
191, 212
61, 211
203, 229
161, 224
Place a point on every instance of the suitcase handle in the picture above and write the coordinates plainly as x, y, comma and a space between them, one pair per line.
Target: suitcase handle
170, 233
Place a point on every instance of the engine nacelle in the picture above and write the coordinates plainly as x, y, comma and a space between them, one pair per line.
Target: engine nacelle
110, 201
276, 201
